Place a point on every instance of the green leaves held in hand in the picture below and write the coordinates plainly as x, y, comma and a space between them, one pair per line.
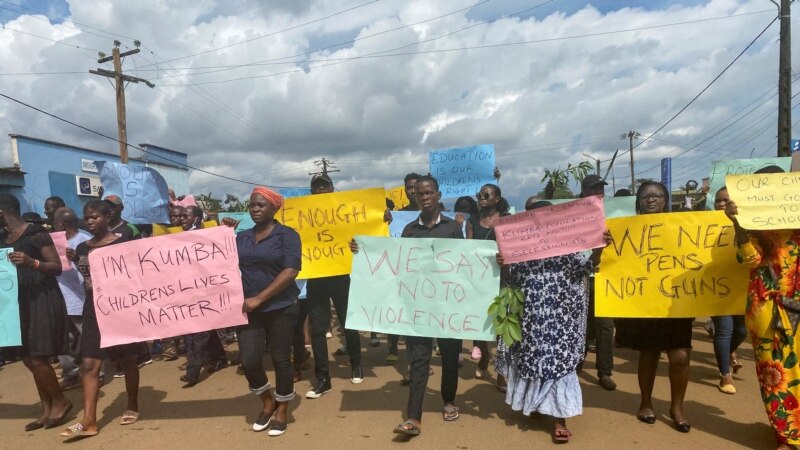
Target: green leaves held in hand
506, 310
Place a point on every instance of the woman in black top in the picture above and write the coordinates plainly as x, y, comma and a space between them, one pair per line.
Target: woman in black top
96, 216
652, 336
491, 206
43, 314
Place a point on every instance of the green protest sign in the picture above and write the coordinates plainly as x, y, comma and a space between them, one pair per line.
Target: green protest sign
719, 169
424, 287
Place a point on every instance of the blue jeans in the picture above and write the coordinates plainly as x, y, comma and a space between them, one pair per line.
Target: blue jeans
729, 333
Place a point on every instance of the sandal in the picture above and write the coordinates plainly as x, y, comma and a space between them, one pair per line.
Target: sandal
561, 434
129, 417
408, 428
450, 413
77, 431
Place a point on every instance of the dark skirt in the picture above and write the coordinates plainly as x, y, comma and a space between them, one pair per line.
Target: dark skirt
43, 316
654, 334
90, 339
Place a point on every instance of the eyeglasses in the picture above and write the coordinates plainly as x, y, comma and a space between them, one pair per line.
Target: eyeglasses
483, 195
653, 197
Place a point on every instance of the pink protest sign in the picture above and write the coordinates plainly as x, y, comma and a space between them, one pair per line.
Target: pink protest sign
167, 286
60, 242
551, 231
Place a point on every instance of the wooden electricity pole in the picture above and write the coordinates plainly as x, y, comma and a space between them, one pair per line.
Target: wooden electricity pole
325, 163
119, 78
785, 80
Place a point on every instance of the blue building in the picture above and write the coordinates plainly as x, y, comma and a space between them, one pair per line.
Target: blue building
45, 168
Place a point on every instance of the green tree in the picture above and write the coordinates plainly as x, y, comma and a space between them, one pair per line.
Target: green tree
209, 203
558, 180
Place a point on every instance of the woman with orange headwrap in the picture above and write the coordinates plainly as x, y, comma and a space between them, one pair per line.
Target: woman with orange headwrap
269, 259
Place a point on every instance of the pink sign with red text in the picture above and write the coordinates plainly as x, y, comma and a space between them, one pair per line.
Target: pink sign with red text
552, 230
60, 243
167, 286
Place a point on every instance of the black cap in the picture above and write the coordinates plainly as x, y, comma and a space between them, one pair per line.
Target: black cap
591, 181
321, 177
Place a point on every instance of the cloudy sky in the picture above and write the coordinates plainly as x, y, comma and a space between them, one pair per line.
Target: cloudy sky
259, 89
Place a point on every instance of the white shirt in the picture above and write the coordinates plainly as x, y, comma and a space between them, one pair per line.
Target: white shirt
71, 281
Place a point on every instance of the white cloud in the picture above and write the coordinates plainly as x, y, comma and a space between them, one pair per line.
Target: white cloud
378, 117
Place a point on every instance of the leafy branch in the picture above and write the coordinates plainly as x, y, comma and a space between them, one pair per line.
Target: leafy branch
506, 309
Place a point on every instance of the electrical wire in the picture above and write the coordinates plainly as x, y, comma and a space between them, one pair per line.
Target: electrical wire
178, 163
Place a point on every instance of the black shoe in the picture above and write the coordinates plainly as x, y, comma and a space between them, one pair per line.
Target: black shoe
341, 351
607, 383
323, 387
358, 375
189, 382
219, 365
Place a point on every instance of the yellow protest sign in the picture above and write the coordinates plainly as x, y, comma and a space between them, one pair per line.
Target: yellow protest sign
398, 196
161, 230
768, 201
670, 265
327, 223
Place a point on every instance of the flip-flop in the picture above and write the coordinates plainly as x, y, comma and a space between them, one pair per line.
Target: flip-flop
34, 426
76, 431
52, 423
129, 417
407, 428
561, 435
450, 413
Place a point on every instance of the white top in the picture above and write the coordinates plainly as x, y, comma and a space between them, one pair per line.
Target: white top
71, 281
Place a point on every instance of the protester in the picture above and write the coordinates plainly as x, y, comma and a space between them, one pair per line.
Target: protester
772, 315
269, 259
409, 181
430, 224
652, 336
50, 206
176, 215
481, 226
321, 291
541, 368
729, 331
43, 315
97, 216
192, 218
71, 284
599, 330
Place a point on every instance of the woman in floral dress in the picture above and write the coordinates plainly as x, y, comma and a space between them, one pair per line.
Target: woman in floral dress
773, 310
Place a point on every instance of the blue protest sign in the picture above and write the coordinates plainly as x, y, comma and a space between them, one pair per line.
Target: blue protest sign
462, 171
399, 221
245, 222
294, 192
10, 334
666, 176
142, 189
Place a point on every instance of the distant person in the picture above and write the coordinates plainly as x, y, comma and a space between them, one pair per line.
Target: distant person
42, 312
623, 193
599, 330
408, 182
321, 292
116, 224
71, 284
50, 207
729, 331
193, 218
176, 215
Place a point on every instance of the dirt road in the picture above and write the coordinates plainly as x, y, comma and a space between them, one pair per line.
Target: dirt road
218, 412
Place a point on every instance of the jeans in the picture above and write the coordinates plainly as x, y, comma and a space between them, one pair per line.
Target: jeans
202, 346
299, 336
320, 291
69, 367
729, 333
277, 328
419, 354
601, 330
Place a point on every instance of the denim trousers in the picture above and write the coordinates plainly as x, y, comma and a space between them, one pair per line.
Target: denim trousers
276, 328
202, 346
321, 291
729, 333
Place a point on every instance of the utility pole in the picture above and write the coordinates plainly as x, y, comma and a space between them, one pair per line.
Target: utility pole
631, 135
596, 160
785, 80
325, 163
119, 78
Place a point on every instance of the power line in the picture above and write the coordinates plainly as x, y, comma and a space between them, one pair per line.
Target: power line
705, 88
133, 146
383, 53
273, 33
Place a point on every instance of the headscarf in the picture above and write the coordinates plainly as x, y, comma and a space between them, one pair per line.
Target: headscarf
273, 197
